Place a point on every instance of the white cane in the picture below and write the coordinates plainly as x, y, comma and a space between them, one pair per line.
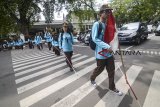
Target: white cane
67, 60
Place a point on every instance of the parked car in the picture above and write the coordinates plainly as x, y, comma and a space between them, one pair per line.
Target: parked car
86, 40
133, 33
157, 31
150, 28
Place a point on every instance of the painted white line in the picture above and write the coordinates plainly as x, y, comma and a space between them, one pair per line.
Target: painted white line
144, 51
34, 98
50, 77
152, 52
30, 57
153, 96
35, 64
150, 36
147, 52
25, 54
39, 67
155, 53
35, 58
76, 96
113, 100
81, 46
43, 71
31, 62
128, 47
159, 53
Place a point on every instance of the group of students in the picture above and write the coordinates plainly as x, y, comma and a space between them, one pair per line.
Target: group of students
9, 44
62, 42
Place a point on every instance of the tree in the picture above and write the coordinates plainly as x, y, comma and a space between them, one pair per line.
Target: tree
136, 10
23, 12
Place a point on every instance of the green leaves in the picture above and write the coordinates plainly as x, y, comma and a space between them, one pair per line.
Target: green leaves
136, 10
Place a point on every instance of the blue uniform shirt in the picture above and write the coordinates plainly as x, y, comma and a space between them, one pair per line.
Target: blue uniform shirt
54, 42
38, 39
48, 37
66, 41
98, 39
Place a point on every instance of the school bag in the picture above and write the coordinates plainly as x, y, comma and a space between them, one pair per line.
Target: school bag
92, 44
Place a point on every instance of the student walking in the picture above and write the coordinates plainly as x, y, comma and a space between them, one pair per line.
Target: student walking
55, 43
65, 43
38, 41
48, 38
107, 62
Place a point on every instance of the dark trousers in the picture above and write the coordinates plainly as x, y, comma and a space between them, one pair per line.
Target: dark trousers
56, 50
40, 46
49, 45
110, 67
68, 59
30, 45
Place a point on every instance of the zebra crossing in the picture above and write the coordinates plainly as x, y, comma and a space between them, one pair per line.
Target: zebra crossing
41, 76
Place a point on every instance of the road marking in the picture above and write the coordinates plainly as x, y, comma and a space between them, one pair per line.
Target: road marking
50, 77
34, 98
80, 46
150, 36
28, 60
76, 96
155, 53
153, 96
35, 61
113, 100
43, 71
144, 51
31, 58
147, 52
151, 52
38, 63
128, 47
26, 56
39, 67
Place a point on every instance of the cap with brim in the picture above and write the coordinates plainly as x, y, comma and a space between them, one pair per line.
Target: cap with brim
105, 8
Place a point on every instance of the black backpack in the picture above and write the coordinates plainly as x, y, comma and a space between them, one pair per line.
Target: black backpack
92, 44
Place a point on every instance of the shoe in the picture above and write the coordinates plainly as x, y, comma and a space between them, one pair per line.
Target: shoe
93, 83
117, 92
71, 69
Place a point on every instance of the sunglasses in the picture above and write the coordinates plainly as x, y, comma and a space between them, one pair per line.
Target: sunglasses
65, 26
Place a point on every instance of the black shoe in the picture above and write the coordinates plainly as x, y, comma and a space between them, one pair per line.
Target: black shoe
117, 92
71, 69
93, 83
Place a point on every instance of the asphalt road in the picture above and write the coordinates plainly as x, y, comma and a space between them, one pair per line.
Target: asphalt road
33, 78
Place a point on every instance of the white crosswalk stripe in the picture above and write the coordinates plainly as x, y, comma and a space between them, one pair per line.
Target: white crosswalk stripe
36, 73
110, 100
153, 96
81, 92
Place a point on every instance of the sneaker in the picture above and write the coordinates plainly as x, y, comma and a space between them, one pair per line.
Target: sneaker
71, 69
117, 92
93, 83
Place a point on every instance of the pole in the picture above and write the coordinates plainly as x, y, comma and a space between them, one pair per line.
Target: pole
127, 82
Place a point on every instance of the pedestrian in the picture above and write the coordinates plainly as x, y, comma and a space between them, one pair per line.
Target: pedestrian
48, 37
30, 43
66, 44
102, 61
38, 41
20, 43
55, 43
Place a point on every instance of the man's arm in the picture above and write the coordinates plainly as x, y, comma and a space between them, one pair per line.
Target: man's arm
95, 38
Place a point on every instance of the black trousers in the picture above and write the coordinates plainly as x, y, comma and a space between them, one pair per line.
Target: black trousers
49, 45
68, 58
110, 67
56, 50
